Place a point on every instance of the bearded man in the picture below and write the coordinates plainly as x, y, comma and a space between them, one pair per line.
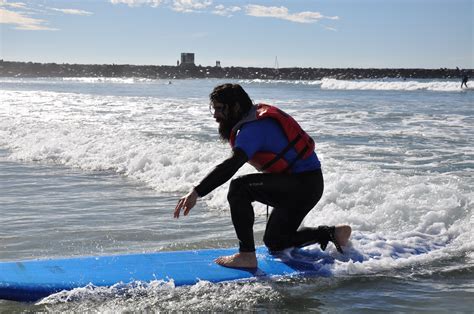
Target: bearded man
291, 180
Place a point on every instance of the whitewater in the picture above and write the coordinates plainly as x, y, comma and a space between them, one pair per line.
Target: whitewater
94, 166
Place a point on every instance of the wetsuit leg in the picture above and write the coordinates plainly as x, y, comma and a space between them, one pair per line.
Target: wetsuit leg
292, 197
282, 227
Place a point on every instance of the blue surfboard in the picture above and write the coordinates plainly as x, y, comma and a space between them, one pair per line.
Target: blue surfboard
35, 279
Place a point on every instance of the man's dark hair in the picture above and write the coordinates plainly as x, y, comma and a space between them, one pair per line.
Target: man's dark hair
230, 95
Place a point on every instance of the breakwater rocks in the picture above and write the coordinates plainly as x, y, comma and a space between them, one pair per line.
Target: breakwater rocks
30, 69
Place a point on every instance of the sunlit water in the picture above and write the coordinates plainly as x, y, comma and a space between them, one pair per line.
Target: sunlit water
95, 166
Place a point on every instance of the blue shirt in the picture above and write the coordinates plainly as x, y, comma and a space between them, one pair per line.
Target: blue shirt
266, 135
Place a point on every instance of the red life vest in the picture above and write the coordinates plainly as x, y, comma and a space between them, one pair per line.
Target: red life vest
297, 139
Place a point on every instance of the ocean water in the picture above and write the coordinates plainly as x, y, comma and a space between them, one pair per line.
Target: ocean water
94, 166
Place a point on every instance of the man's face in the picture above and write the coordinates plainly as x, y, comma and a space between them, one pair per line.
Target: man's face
225, 117
217, 110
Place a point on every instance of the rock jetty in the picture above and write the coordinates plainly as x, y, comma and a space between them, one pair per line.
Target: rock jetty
32, 69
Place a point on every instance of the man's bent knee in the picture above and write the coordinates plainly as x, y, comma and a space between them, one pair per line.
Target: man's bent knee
274, 244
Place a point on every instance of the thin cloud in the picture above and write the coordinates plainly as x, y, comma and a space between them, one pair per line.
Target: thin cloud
72, 11
137, 3
329, 28
24, 22
282, 13
16, 5
188, 6
223, 11
183, 6
22, 16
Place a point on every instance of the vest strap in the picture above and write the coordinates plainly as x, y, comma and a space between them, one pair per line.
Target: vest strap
282, 153
298, 157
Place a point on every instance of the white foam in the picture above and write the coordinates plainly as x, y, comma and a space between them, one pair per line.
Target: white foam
288, 82
390, 84
163, 296
386, 84
117, 80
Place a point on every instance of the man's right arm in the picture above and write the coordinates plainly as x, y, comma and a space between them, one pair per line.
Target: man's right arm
222, 172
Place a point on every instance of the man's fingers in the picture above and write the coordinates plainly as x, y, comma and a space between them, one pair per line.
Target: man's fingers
188, 205
185, 203
178, 208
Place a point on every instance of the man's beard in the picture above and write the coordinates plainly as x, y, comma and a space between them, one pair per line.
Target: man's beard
226, 126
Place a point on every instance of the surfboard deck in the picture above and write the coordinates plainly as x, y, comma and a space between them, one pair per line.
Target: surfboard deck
32, 280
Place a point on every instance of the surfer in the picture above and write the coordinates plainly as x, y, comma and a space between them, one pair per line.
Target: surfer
464, 77
291, 182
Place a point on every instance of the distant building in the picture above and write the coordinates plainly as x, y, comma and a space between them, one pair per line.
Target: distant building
218, 64
187, 58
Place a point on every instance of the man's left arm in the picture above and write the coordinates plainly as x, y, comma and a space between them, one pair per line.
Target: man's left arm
222, 172
218, 176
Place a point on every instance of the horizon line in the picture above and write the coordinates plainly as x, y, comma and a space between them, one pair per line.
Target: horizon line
232, 66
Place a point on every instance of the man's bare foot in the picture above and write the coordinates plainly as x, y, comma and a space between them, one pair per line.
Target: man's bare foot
342, 234
238, 260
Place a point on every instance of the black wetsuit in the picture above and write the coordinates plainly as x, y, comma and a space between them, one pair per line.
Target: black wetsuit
291, 195
465, 78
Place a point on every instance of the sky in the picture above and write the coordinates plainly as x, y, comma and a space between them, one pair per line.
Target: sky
254, 33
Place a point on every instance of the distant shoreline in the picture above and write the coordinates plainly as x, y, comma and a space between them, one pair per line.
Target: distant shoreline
31, 69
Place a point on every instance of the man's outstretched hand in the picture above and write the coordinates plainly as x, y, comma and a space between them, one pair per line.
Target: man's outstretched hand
186, 203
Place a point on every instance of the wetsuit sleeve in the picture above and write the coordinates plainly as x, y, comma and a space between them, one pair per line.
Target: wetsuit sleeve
222, 172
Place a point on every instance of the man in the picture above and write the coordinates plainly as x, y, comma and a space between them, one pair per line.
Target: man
464, 77
291, 182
